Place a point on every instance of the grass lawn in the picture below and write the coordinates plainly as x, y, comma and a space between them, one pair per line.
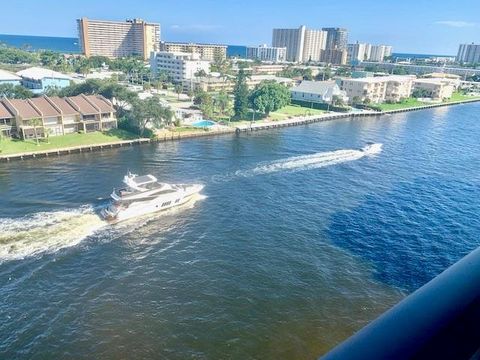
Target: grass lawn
459, 96
12, 146
408, 103
280, 114
293, 110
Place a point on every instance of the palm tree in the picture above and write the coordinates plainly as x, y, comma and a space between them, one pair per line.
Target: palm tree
178, 90
37, 122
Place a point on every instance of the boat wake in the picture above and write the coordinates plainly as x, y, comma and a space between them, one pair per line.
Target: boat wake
48, 232
307, 162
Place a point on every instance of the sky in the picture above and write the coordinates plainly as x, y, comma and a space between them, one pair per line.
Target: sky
411, 26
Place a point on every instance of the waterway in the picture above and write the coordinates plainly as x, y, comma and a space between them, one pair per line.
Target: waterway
297, 240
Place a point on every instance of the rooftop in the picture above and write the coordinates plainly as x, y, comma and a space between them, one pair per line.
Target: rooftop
8, 76
38, 73
4, 112
83, 105
193, 44
314, 87
24, 109
45, 107
63, 105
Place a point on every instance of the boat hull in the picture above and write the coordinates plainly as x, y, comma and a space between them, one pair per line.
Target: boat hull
159, 204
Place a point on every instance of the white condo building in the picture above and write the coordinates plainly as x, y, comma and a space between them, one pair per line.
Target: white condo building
267, 53
178, 66
367, 52
468, 53
302, 44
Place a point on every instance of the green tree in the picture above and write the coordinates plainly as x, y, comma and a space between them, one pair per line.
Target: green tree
399, 71
270, 96
15, 92
150, 112
337, 101
178, 90
241, 93
325, 74
36, 123
222, 102
421, 93
200, 73
207, 106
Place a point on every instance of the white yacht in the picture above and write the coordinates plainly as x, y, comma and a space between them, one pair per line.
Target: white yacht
144, 195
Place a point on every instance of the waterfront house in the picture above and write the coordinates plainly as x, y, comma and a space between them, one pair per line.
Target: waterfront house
7, 77
45, 116
317, 92
38, 80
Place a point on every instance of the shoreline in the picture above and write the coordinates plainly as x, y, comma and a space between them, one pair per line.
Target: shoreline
239, 129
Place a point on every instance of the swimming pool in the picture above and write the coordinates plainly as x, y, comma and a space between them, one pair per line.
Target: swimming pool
204, 123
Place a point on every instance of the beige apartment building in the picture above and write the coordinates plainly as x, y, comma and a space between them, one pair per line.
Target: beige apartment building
115, 39
213, 84
207, 52
437, 89
378, 89
302, 44
51, 116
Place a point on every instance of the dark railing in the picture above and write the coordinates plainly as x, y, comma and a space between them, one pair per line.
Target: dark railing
441, 320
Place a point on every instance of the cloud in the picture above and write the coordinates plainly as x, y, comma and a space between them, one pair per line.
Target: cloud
456, 23
194, 28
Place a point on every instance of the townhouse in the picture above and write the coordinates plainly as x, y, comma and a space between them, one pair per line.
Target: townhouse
52, 116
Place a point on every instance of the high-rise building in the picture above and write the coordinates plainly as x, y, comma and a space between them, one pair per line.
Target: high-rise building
379, 52
358, 51
468, 53
334, 56
302, 44
293, 40
337, 38
314, 45
205, 51
118, 39
267, 53
367, 52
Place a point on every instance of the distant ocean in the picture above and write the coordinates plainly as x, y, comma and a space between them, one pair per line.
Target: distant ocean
70, 45
59, 44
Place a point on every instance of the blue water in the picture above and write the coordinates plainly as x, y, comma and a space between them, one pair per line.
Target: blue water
204, 123
58, 44
238, 51
418, 56
298, 240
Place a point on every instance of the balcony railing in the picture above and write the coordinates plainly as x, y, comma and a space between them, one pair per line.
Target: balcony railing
441, 320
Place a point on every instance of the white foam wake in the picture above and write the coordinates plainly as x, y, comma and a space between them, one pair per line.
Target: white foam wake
312, 161
46, 231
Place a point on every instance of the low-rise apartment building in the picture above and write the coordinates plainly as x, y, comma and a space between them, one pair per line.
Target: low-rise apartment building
218, 84
205, 51
38, 80
318, 92
178, 66
436, 89
51, 116
392, 88
267, 53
